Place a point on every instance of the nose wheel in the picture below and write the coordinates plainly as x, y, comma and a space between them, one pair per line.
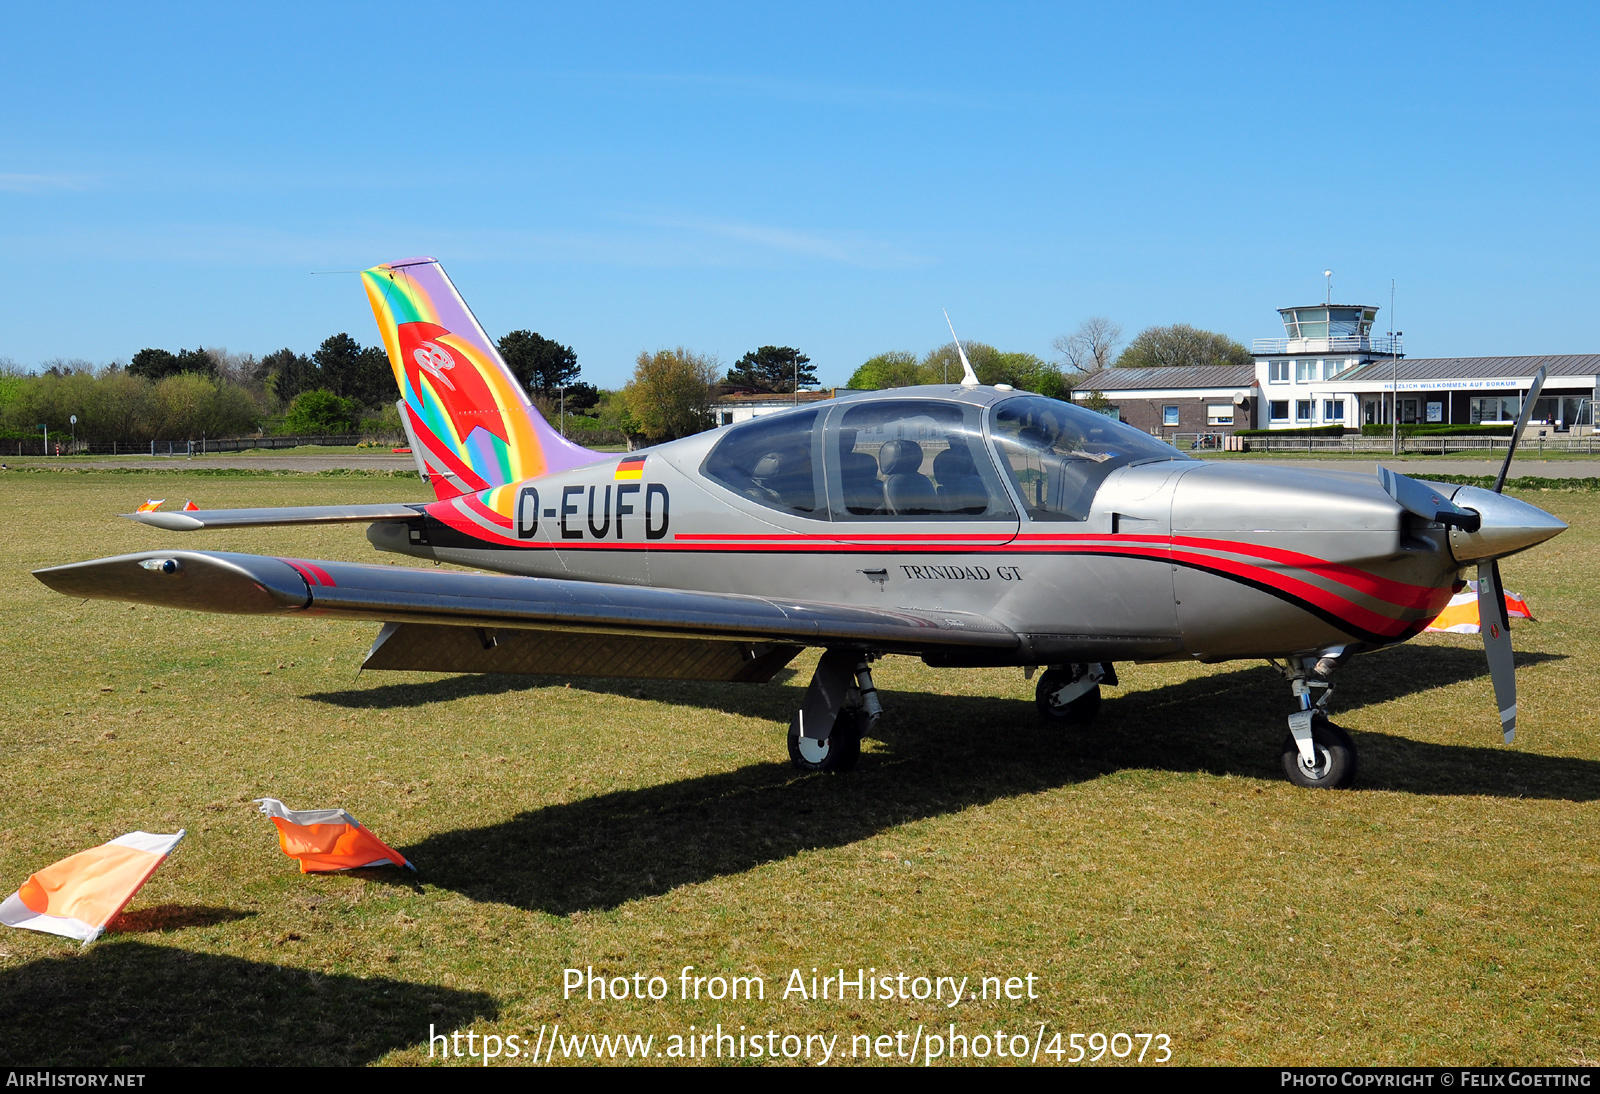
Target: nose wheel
1316, 754
1332, 764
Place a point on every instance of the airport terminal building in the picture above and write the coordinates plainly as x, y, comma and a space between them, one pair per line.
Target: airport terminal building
1330, 369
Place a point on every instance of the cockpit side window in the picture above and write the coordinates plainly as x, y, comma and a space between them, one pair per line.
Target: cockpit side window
769, 461
1057, 454
913, 458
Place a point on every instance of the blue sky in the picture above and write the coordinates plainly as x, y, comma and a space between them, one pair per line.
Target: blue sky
826, 176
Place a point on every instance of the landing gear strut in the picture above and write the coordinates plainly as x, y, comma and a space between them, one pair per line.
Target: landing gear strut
1070, 694
841, 705
1317, 754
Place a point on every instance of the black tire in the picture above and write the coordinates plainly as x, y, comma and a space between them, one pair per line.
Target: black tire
1080, 711
1336, 758
836, 755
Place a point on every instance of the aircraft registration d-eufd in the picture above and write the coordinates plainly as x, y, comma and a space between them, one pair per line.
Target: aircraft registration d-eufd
964, 524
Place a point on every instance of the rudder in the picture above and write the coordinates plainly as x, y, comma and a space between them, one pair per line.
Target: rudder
469, 421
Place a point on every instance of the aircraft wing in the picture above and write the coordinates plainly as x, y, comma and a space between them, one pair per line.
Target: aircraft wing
469, 622
194, 519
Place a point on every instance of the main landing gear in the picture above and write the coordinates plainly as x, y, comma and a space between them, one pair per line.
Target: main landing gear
841, 706
1317, 754
1070, 694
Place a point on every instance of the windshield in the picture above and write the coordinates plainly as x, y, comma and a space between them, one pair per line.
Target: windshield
1057, 454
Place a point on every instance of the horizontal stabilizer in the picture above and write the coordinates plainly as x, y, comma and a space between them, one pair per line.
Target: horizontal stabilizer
195, 519
217, 581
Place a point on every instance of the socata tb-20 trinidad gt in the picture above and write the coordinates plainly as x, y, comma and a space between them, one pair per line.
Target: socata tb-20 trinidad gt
965, 524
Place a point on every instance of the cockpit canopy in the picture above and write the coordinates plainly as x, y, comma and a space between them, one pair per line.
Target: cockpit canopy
929, 459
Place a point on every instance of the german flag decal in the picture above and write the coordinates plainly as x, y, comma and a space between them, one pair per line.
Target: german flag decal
630, 469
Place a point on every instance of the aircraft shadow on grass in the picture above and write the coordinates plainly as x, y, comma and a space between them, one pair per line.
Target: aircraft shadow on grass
132, 1003
942, 754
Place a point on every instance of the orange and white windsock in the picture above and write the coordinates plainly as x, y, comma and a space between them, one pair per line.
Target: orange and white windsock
81, 894
1460, 616
190, 507
152, 505
325, 840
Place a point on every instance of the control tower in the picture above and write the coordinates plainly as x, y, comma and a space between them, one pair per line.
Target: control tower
1329, 329
1322, 342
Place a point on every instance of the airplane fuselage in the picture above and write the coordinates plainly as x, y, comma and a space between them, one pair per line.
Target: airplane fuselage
1173, 558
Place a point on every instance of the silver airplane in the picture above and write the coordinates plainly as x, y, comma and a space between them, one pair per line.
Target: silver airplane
965, 524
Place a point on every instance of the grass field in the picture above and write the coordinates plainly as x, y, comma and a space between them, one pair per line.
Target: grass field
1153, 872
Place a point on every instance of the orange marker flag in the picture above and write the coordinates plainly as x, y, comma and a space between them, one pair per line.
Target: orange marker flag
325, 840
152, 505
189, 506
82, 893
1460, 616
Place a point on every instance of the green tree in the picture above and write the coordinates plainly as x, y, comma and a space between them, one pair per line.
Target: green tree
352, 372
321, 411
158, 364
190, 405
773, 368
670, 393
897, 368
286, 374
613, 412
1025, 372
1182, 346
541, 364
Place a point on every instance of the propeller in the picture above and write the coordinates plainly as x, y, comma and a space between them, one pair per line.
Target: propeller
1493, 622
1515, 529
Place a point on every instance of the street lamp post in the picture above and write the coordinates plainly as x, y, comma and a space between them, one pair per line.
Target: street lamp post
1394, 385
74, 421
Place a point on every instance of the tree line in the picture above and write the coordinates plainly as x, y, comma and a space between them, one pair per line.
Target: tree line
345, 387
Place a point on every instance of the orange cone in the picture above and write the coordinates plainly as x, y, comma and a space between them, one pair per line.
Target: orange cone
325, 840
78, 896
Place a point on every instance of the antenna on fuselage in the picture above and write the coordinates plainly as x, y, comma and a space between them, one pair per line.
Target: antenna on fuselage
968, 377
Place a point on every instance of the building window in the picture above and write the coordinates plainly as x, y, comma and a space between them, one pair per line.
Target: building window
1333, 410
1278, 410
1277, 372
1169, 415
1302, 410
1305, 371
1494, 408
1219, 414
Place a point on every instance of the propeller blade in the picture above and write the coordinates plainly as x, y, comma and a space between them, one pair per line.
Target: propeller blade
1522, 423
1495, 626
1426, 502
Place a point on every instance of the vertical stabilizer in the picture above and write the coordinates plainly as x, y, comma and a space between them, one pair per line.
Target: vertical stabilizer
470, 423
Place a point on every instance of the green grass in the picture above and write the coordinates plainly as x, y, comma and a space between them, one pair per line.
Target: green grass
1154, 871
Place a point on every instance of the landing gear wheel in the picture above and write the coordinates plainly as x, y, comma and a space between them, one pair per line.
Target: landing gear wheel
838, 753
1335, 766
1074, 712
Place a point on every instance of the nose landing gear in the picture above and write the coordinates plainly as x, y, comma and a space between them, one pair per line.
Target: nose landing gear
1317, 754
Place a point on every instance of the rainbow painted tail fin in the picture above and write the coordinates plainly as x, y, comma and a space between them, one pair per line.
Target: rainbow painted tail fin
469, 421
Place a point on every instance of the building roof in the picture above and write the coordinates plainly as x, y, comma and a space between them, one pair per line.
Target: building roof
1196, 376
765, 398
1450, 368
